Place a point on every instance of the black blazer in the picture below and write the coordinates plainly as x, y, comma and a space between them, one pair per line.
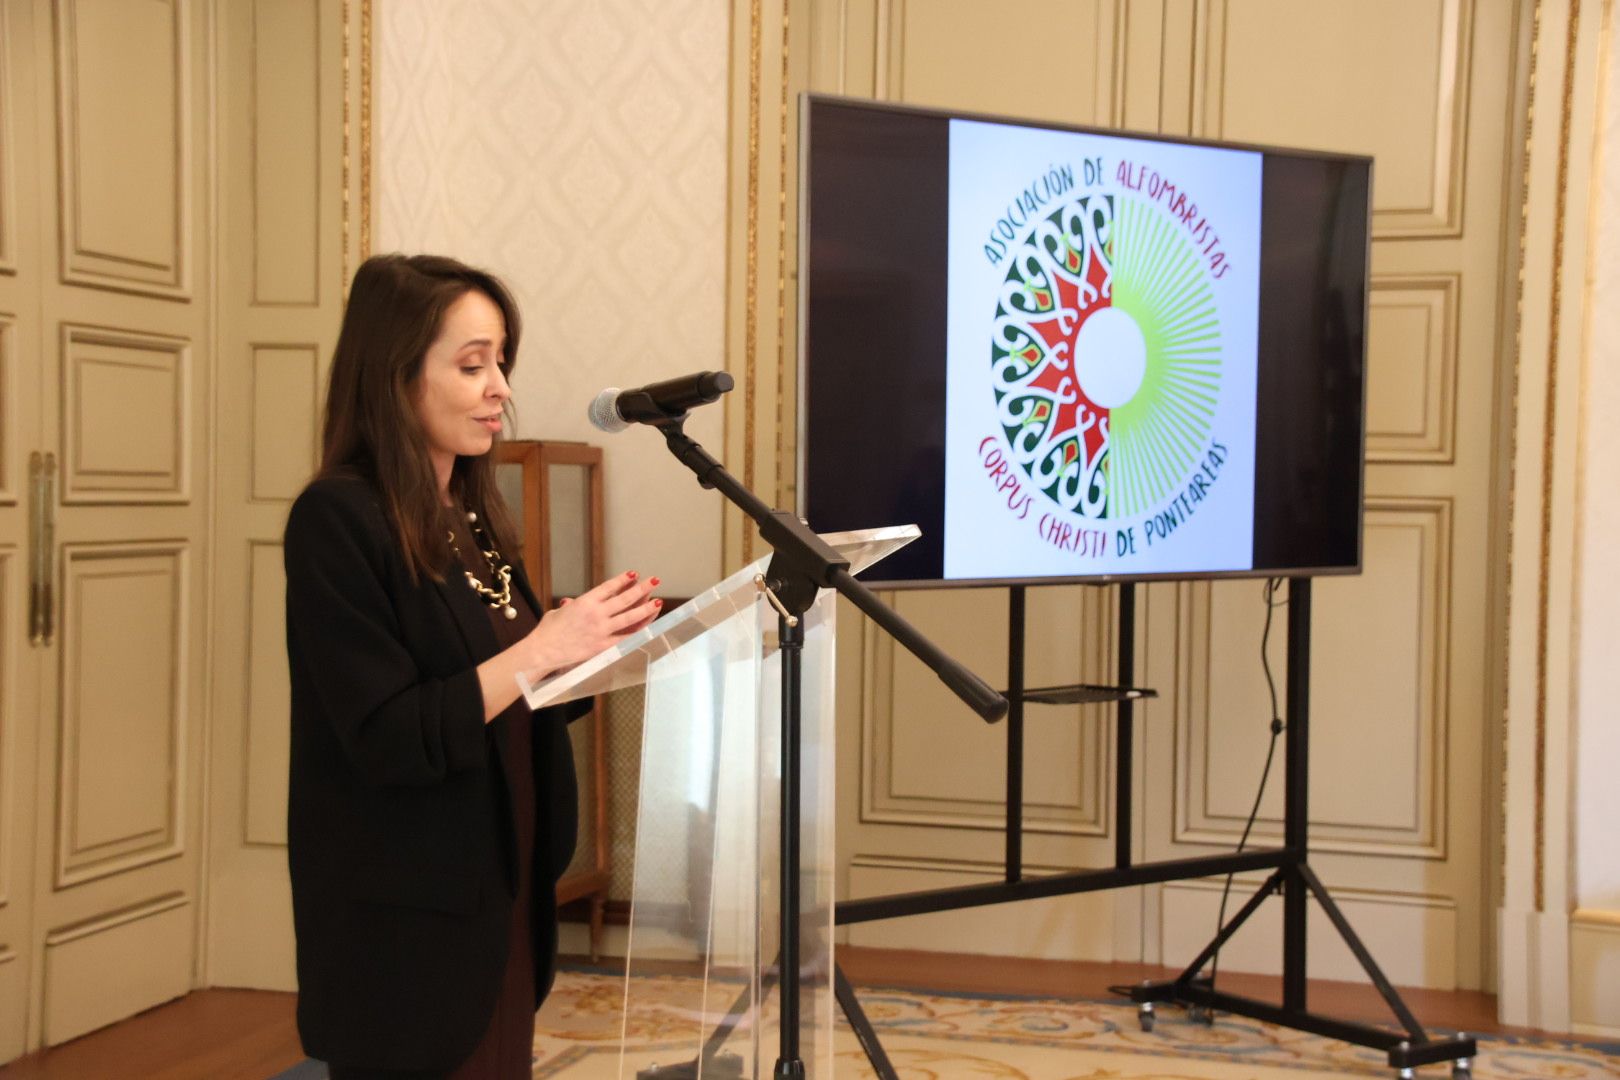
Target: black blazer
399, 834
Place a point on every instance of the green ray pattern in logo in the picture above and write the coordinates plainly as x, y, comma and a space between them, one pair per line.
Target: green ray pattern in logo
1159, 434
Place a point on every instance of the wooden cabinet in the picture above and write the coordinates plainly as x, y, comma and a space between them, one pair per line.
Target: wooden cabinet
554, 490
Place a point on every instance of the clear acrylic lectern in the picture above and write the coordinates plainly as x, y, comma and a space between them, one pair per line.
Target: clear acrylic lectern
701, 978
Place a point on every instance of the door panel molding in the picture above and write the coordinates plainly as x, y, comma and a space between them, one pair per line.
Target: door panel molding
933, 52
121, 728
286, 152
108, 374
1428, 82
8, 148
10, 421
9, 561
905, 784
284, 413
96, 969
1409, 819
1412, 406
269, 701
126, 199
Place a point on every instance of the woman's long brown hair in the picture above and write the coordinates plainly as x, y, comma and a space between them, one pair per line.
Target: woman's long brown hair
396, 306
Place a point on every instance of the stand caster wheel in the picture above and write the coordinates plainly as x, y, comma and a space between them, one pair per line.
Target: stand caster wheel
1201, 1014
1144, 1015
1462, 1069
1405, 1074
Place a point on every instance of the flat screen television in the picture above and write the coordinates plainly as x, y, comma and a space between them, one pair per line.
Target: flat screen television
1071, 354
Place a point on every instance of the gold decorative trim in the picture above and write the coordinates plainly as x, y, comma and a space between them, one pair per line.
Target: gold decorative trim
751, 326
347, 151
1549, 428
350, 214
365, 128
1513, 456
782, 379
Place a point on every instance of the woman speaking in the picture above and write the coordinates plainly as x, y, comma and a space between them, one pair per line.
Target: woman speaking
430, 811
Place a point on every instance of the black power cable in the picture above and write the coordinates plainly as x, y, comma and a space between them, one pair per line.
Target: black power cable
1272, 604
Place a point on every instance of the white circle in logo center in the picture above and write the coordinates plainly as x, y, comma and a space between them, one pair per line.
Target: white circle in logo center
1110, 357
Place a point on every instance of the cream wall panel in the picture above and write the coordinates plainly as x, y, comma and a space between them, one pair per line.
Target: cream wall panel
961, 53
1378, 697
8, 152
286, 152
1596, 799
269, 700
125, 173
1381, 77
1064, 928
109, 376
123, 708
931, 763
13, 987
580, 151
1594, 972
286, 416
847, 57
1156, 66
1412, 368
95, 972
1413, 937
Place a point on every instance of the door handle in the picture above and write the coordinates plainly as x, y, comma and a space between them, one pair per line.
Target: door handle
47, 551
36, 547
42, 542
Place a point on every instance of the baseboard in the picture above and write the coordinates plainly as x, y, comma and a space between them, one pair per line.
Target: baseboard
1079, 927
1594, 972
1533, 983
1411, 938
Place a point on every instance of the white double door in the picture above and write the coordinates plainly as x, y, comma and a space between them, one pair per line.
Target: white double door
105, 284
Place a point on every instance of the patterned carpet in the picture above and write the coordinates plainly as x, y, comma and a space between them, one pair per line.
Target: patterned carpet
957, 1037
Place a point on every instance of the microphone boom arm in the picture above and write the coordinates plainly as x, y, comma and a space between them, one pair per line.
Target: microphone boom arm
803, 564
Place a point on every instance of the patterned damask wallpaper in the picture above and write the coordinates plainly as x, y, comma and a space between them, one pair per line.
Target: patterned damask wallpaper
579, 151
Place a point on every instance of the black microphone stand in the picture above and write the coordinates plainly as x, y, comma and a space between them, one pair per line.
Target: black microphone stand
802, 564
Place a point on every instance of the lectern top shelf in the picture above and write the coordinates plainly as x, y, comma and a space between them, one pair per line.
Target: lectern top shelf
625, 664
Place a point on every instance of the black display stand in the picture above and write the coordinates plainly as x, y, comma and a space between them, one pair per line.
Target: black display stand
1291, 874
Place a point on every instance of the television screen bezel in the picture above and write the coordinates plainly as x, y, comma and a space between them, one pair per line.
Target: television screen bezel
809, 99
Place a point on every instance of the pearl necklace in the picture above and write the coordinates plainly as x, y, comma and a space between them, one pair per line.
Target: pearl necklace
502, 573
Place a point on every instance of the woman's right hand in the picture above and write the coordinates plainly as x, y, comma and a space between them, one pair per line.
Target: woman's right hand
591, 622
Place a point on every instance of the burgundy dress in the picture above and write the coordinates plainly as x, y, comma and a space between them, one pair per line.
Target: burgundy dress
506, 1052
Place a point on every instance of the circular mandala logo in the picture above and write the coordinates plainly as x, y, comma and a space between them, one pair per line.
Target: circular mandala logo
1106, 357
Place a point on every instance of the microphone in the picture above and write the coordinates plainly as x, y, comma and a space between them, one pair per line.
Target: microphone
613, 410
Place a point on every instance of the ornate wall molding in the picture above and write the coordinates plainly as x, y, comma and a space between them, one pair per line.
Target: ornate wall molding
1544, 511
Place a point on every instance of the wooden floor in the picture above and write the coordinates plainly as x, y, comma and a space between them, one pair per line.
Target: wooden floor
249, 1034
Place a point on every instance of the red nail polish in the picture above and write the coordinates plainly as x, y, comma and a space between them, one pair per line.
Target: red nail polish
658, 603
632, 574
654, 581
